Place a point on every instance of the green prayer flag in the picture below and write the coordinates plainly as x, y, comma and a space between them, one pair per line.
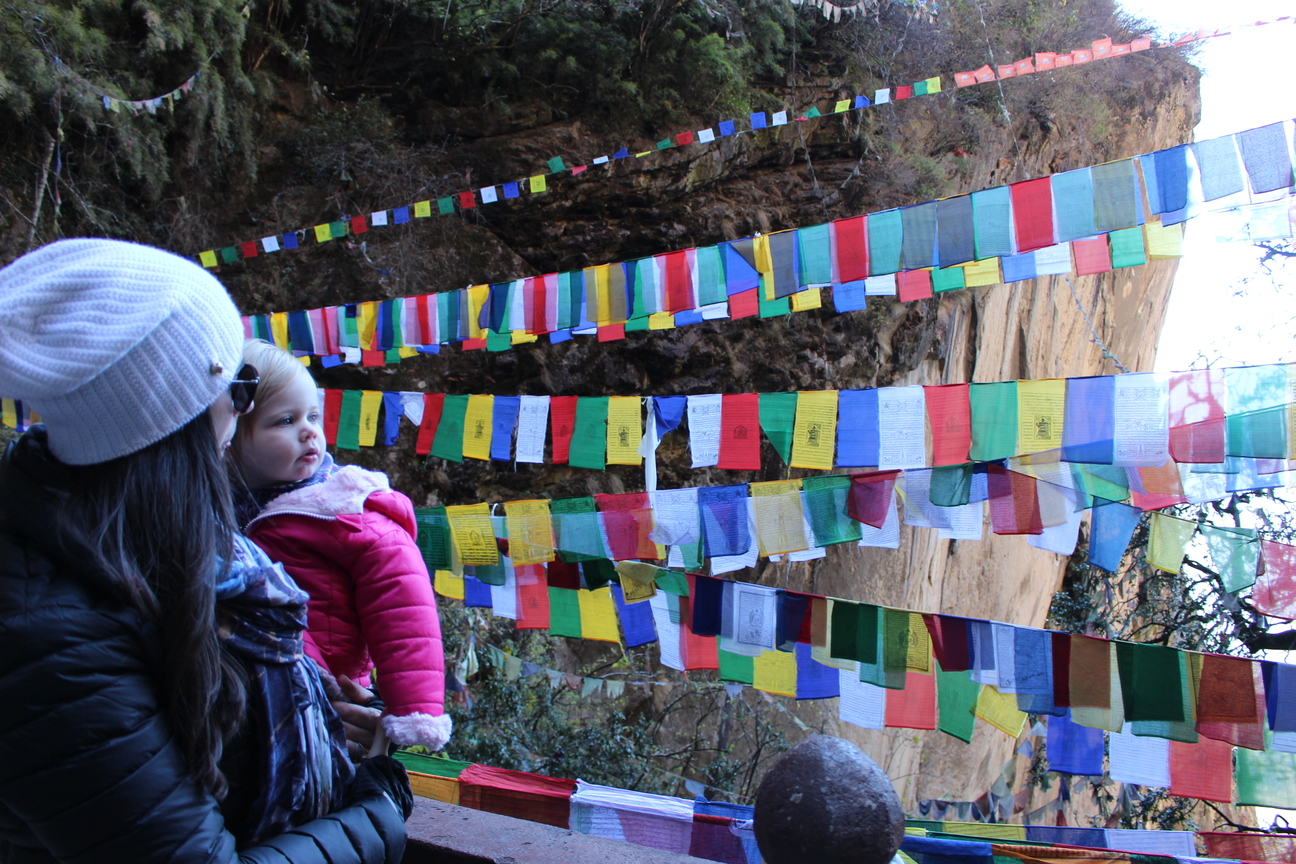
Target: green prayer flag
825, 499
895, 641
1150, 682
1186, 730
576, 530
498, 341
564, 301
736, 667
947, 279
348, 434
1101, 481
338, 229
870, 638
433, 537
672, 582
777, 418
636, 325
556, 165
692, 555
813, 112
598, 573
885, 235
448, 443
843, 633
772, 308
229, 254
1257, 409
445, 205
711, 276
956, 698
951, 485
994, 420
1236, 554
664, 144
814, 248
1265, 778
437, 766
1127, 247
564, 612
392, 355
589, 433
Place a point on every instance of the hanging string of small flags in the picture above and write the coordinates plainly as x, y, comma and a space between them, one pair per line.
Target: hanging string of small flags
1174, 715
354, 225
114, 104
1086, 221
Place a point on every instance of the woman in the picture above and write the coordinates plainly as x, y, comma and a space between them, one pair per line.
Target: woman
155, 704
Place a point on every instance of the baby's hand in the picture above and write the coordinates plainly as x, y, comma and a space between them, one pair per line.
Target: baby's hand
362, 723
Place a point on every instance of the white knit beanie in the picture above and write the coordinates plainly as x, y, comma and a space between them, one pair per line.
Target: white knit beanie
116, 345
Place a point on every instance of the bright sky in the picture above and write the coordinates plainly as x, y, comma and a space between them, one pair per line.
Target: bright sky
1244, 84
1214, 316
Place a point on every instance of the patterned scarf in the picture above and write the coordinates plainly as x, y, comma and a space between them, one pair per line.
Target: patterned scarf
298, 739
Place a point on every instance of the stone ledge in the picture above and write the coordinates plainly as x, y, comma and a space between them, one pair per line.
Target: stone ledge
445, 834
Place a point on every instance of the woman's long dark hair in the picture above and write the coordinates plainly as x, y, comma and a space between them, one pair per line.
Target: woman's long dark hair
155, 522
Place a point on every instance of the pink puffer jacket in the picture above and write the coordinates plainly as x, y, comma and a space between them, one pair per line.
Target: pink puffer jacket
349, 543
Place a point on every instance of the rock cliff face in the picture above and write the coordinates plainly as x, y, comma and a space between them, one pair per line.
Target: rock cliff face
798, 175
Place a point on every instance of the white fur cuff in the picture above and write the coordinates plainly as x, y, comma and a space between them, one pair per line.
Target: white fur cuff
431, 732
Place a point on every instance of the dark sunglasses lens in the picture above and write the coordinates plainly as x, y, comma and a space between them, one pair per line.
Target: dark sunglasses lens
243, 389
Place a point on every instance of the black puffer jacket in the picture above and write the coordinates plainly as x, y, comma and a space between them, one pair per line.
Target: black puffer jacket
89, 771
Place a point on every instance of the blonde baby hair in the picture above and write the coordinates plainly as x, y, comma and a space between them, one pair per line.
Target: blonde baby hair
277, 369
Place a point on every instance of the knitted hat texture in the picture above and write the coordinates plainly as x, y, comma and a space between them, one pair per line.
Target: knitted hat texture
116, 345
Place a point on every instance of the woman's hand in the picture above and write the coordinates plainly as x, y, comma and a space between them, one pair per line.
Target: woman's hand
363, 724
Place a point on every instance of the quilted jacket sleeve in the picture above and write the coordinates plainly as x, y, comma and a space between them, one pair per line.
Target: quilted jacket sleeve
398, 616
88, 768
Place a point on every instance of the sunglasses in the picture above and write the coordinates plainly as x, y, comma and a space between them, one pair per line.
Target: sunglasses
243, 389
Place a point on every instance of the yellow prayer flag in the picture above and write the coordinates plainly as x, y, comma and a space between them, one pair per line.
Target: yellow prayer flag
624, 430
764, 265
1000, 711
407, 352
478, 295
279, 329
478, 426
521, 337
990, 831
780, 519
422, 209
843, 105
810, 298
1163, 241
934, 86
530, 531
207, 258
920, 647
984, 272
598, 615
443, 789
538, 184
367, 324
1167, 541
602, 293
1041, 406
370, 401
448, 584
473, 534
661, 321
9, 413
775, 672
323, 233
814, 434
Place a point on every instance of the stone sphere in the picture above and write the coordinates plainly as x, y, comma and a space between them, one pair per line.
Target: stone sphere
825, 801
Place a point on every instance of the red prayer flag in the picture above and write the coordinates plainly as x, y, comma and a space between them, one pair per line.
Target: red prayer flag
684, 138
373, 358
903, 92
913, 285
914, 707
432, 405
1024, 67
467, 200
1032, 202
949, 642
332, 413
1014, 502
1118, 50
424, 320
472, 344
869, 499
1007, 70
697, 652
950, 415
1091, 256
1226, 692
984, 74
562, 420
1061, 669
611, 332
744, 304
1249, 847
1197, 422
359, 225
1102, 47
851, 248
1142, 43
1044, 59
740, 432
249, 249
1275, 589
1081, 55
1061, 61
546, 800
533, 597
964, 79
560, 574
539, 298
1203, 770
1248, 735
628, 520
679, 282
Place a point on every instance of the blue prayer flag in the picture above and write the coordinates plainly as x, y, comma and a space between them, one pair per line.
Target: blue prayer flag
668, 411
289, 240
503, 419
814, 679
1074, 749
1018, 267
1109, 535
757, 120
636, 619
392, 411
511, 190
726, 127
476, 592
858, 438
400, 215
724, 520
849, 296
1089, 421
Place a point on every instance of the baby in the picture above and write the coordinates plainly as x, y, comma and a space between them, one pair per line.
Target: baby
349, 541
